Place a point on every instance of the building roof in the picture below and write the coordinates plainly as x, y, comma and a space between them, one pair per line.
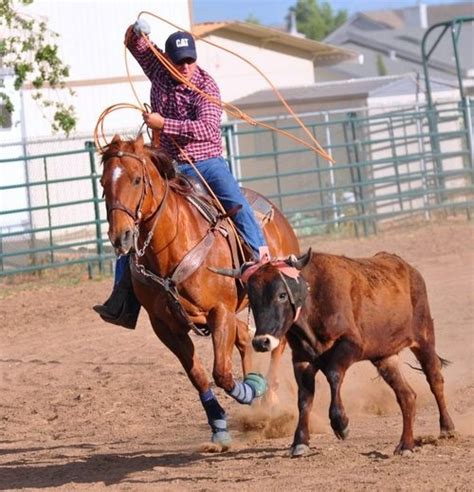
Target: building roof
386, 34
321, 53
395, 18
344, 89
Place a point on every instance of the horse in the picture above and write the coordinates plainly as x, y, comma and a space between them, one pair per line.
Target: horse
173, 250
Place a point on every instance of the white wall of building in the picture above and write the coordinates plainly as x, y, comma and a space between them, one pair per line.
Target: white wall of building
91, 43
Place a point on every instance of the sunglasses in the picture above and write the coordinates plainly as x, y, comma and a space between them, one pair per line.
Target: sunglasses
187, 61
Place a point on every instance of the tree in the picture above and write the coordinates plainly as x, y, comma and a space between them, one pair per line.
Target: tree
316, 21
252, 19
29, 52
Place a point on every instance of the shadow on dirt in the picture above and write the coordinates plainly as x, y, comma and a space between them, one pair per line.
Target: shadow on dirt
107, 468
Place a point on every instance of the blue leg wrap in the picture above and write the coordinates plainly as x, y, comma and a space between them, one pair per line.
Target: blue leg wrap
216, 418
243, 393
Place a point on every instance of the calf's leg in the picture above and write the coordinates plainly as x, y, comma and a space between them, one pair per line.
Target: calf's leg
334, 365
389, 369
431, 365
305, 373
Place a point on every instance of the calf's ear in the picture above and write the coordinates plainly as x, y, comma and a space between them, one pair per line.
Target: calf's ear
300, 261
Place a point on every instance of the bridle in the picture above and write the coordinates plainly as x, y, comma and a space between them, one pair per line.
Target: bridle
137, 215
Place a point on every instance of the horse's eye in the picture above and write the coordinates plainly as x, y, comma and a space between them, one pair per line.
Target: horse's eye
137, 181
282, 296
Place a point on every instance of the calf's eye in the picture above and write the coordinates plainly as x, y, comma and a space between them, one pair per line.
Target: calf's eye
137, 181
282, 296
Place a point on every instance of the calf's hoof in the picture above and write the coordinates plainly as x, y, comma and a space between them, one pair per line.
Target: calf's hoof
299, 450
403, 450
342, 433
448, 434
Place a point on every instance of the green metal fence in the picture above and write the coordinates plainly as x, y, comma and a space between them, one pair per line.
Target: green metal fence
390, 164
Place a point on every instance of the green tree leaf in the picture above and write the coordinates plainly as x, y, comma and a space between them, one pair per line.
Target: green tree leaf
28, 50
315, 20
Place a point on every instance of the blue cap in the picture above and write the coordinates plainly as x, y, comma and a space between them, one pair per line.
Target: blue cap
179, 46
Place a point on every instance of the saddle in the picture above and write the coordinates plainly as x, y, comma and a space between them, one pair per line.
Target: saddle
197, 194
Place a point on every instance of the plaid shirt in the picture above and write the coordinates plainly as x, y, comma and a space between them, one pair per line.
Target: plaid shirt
190, 119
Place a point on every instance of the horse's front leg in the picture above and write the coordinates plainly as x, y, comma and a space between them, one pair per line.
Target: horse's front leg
223, 325
182, 346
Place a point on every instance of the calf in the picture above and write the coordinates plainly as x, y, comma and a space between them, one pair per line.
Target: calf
335, 311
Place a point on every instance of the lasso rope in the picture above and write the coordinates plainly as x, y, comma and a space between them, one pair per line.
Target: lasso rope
230, 108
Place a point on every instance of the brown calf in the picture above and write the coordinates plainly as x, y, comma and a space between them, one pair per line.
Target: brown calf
351, 310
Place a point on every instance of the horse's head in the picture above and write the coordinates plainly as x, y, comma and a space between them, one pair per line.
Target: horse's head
131, 183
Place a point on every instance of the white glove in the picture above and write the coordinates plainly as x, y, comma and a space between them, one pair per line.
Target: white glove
141, 27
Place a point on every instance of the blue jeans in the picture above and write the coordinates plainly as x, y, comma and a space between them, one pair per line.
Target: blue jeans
221, 181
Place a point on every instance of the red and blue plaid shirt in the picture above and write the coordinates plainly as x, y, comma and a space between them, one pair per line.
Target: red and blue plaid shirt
191, 120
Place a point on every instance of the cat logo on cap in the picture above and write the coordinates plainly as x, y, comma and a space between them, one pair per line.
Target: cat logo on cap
180, 43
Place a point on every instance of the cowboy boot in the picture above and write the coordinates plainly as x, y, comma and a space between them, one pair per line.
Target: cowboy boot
122, 307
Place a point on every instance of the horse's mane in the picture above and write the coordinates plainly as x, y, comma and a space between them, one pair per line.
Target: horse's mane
161, 160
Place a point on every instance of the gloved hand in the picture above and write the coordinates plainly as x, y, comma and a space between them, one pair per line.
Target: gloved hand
141, 27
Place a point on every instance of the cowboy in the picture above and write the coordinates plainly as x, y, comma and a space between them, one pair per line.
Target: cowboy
189, 128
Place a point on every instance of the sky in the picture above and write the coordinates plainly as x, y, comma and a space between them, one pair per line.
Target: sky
273, 12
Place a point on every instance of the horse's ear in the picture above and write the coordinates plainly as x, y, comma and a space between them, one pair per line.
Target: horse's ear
116, 139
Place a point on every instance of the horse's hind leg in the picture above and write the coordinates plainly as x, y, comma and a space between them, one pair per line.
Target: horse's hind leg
390, 371
182, 346
431, 365
243, 344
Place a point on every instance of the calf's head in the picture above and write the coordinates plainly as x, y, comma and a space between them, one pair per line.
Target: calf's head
276, 294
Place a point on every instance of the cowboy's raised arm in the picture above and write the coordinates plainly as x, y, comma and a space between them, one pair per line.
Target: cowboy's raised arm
139, 48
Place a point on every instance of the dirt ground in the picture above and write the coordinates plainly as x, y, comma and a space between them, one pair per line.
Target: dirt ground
86, 405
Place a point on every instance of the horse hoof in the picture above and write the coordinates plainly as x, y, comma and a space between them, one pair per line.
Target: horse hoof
257, 382
299, 450
222, 438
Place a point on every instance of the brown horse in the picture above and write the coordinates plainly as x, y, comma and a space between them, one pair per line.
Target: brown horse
173, 248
